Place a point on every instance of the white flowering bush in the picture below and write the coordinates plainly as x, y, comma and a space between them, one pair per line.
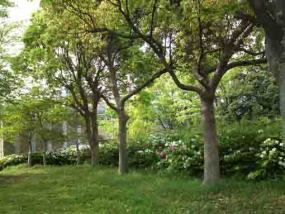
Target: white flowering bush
270, 159
12, 160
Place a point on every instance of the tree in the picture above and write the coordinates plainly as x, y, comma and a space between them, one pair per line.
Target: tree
67, 62
196, 42
199, 41
4, 5
90, 14
258, 98
8, 80
32, 115
130, 70
271, 15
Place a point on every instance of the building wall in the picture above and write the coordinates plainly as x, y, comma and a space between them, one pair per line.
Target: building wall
9, 148
21, 146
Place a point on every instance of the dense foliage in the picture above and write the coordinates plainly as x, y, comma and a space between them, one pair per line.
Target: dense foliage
245, 153
184, 85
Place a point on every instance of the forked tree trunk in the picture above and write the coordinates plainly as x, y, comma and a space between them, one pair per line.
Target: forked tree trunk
93, 136
211, 150
30, 153
123, 154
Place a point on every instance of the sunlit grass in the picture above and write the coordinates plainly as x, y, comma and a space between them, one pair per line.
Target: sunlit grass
84, 189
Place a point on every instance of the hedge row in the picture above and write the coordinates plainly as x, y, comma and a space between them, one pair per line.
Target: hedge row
252, 160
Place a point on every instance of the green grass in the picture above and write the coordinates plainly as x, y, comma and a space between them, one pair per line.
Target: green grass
100, 190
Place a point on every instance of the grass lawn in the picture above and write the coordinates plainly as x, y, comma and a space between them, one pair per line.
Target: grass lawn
100, 190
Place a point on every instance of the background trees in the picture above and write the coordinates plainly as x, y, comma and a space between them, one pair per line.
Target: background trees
32, 115
68, 62
88, 51
179, 41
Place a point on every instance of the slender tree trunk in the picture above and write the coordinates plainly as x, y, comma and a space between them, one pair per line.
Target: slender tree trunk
30, 153
211, 150
78, 155
44, 154
95, 136
123, 155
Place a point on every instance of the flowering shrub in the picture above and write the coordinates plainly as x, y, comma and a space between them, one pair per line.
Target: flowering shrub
182, 156
12, 160
239, 157
270, 159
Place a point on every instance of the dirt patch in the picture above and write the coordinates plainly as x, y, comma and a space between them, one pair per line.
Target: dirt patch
11, 178
281, 200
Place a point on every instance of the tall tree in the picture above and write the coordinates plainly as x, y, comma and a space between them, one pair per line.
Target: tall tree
196, 42
271, 15
129, 70
32, 115
94, 16
199, 41
67, 61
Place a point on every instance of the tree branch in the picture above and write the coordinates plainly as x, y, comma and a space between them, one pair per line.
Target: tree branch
147, 83
181, 85
232, 65
111, 105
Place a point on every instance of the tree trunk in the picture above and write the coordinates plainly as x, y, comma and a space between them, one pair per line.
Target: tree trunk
282, 97
123, 155
77, 153
211, 150
30, 153
275, 54
271, 14
93, 136
94, 153
44, 154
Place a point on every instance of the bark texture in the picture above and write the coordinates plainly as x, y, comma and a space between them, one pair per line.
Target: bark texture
275, 52
95, 153
271, 15
78, 154
282, 96
211, 147
92, 130
123, 155
93, 139
44, 154
30, 153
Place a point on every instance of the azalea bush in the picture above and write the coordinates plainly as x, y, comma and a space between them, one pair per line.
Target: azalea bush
241, 155
182, 155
